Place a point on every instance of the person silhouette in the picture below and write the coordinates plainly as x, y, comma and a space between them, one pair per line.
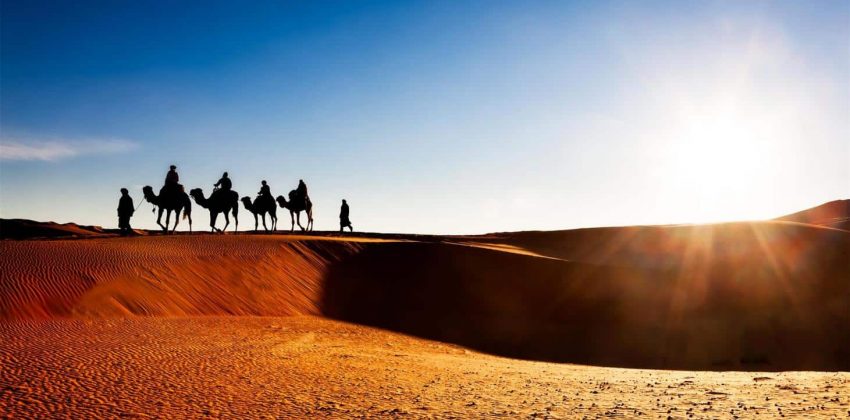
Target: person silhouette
171, 178
172, 183
302, 190
344, 221
223, 185
125, 212
265, 192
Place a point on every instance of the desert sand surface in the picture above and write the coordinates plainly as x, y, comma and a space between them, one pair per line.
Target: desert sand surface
696, 321
304, 366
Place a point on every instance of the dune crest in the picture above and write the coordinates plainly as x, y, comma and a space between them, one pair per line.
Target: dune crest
835, 214
28, 229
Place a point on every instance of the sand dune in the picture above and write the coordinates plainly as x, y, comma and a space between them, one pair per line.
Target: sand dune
835, 214
237, 325
749, 296
164, 276
28, 229
774, 299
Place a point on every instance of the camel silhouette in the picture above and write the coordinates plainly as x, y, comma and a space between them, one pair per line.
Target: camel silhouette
296, 207
219, 203
170, 202
261, 207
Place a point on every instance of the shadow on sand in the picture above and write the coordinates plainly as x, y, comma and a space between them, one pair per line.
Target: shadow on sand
723, 314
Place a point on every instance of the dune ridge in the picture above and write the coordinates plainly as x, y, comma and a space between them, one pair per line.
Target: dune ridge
835, 214
27, 229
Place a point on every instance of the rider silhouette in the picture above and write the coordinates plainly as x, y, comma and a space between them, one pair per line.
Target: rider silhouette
302, 190
172, 185
223, 185
171, 178
265, 192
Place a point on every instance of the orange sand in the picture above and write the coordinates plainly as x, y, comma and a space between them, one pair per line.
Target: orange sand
304, 367
233, 325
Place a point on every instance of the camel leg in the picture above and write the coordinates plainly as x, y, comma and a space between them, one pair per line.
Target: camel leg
292, 219
167, 219
264, 223
255, 222
299, 221
159, 219
213, 216
226, 222
176, 219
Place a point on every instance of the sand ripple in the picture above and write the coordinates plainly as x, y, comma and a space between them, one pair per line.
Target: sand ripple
180, 275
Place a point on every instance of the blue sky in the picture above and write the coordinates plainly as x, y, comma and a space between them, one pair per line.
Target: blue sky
433, 117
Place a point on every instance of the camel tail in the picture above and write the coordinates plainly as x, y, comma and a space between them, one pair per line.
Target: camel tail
236, 216
187, 211
187, 208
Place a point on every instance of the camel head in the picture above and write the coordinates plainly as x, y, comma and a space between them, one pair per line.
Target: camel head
147, 192
246, 201
281, 201
197, 194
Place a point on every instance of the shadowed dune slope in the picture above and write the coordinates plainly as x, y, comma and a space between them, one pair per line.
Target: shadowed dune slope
23, 229
749, 296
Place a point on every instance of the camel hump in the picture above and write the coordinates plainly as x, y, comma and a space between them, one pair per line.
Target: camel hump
172, 189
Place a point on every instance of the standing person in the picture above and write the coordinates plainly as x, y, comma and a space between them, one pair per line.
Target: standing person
125, 212
343, 217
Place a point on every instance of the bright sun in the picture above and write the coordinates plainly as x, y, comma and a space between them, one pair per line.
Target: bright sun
721, 156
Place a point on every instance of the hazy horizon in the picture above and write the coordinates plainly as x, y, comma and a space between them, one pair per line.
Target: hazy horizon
430, 117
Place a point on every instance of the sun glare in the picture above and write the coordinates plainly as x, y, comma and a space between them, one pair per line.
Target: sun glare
718, 156
719, 152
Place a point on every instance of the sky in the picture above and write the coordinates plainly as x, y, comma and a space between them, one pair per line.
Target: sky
431, 116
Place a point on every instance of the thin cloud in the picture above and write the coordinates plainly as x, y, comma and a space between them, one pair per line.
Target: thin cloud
50, 150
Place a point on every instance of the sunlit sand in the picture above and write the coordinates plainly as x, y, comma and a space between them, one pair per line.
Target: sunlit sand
737, 319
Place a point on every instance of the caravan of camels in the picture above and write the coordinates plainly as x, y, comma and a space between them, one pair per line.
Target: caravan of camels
173, 197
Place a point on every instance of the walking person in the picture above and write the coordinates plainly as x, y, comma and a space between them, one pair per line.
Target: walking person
344, 221
125, 212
